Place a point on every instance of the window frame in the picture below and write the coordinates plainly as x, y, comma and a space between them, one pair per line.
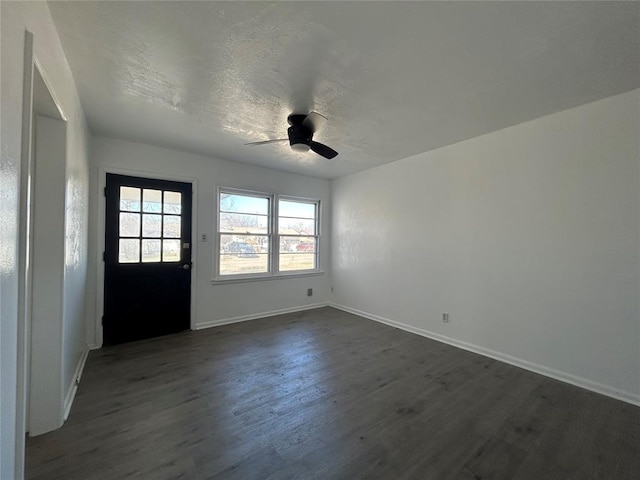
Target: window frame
273, 237
277, 234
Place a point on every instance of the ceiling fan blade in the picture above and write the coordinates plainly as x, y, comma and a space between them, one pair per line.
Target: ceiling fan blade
314, 121
264, 142
323, 150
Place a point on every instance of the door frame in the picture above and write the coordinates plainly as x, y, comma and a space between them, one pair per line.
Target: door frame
100, 239
32, 69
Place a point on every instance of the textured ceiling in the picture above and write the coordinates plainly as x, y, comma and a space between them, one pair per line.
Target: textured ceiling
394, 78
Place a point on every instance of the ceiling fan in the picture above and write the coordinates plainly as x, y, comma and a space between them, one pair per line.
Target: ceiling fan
301, 134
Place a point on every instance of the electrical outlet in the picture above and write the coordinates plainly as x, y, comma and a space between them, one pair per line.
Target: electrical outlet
309, 292
204, 237
445, 318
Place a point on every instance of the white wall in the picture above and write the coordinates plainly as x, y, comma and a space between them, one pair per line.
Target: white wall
76, 233
213, 302
528, 237
47, 388
16, 17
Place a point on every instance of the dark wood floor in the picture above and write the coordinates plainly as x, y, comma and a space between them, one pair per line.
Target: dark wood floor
324, 394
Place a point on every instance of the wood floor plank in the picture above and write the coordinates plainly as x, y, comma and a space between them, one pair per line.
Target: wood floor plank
324, 394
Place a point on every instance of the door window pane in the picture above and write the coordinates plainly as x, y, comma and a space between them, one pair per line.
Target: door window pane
151, 226
129, 199
170, 250
129, 224
171, 226
129, 250
150, 251
172, 203
152, 201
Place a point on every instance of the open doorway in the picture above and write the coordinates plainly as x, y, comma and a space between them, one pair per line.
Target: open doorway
40, 406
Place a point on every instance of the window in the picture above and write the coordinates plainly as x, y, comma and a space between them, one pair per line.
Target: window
263, 235
149, 231
244, 231
298, 235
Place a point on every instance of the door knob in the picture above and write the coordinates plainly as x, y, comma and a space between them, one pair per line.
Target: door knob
185, 266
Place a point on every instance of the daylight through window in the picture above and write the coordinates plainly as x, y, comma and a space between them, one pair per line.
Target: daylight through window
264, 234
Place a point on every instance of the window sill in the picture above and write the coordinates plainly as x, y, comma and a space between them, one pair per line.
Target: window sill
280, 276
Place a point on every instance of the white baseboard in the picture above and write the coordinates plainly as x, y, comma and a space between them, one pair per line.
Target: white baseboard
254, 316
502, 357
75, 381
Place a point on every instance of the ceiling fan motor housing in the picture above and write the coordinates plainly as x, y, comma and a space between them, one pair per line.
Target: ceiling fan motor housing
299, 137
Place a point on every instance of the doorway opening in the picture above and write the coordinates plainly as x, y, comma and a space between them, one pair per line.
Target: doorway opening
40, 402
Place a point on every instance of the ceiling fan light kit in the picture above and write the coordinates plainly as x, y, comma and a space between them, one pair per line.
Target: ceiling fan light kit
301, 134
300, 147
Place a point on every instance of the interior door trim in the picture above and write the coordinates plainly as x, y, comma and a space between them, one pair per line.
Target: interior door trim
95, 338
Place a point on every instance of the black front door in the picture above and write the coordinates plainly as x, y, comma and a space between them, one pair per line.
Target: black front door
147, 280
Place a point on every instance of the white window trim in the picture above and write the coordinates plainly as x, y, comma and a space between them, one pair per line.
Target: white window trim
273, 236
